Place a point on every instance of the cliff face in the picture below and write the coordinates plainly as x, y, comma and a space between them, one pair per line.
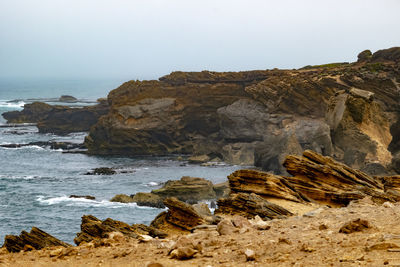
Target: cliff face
257, 117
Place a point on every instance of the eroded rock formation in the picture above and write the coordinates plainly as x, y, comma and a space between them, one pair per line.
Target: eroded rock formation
35, 239
259, 117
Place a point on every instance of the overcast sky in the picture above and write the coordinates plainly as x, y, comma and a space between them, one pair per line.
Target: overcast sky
146, 39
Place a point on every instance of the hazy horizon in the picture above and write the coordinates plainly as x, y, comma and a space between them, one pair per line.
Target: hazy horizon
99, 39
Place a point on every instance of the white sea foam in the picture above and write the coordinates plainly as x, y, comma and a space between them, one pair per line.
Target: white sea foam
34, 147
83, 202
12, 104
152, 184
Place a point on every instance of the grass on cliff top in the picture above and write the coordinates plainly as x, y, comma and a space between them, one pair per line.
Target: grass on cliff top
325, 66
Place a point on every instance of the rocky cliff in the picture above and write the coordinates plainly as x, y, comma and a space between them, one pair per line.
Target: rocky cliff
58, 119
348, 111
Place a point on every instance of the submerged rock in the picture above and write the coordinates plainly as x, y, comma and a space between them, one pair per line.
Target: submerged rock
68, 99
85, 197
102, 171
36, 239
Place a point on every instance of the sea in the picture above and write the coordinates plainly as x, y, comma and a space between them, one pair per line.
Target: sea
36, 182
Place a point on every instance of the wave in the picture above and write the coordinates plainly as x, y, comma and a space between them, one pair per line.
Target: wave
24, 177
25, 147
12, 104
83, 202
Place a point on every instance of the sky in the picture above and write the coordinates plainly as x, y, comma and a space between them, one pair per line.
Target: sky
149, 38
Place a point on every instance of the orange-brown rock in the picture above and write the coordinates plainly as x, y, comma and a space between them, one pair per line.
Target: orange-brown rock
180, 217
325, 180
93, 228
36, 239
249, 206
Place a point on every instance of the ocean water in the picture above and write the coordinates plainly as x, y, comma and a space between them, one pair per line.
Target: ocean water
35, 182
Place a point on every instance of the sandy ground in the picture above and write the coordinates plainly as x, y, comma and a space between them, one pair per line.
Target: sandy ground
309, 240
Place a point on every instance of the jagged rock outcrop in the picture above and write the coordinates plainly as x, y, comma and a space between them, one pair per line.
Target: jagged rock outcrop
179, 217
58, 119
93, 228
325, 180
250, 205
360, 129
35, 239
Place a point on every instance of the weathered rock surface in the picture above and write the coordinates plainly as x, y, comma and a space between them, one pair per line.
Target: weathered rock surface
260, 117
148, 199
249, 206
359, 128
179, 217
189, 189
36, 239
93, 228
327, 181
58, 119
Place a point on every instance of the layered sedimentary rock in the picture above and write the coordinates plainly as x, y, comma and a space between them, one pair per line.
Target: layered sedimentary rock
187, 189
179, 217
93, 228
360, 128
35, 239
259, 117
58, 119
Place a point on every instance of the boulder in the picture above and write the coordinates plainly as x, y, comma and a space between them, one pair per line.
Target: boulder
180, 217
357, 225
93, 228
148, 199
122, 198
36, 239
190, 189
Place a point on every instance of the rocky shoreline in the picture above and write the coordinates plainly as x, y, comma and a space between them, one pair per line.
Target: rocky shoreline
347, 111
326, 138
257, 201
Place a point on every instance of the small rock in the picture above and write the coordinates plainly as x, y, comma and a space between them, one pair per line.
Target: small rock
183, 253
28, 248
240, 222
357, 225
86, 197
225, 227
56, 252
260, 224
382, 246
154, 264
145, 238
322, 227
388, 205
250, 255
199, 159
102, 171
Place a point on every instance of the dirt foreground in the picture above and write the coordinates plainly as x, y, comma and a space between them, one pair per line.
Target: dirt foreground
310, 239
